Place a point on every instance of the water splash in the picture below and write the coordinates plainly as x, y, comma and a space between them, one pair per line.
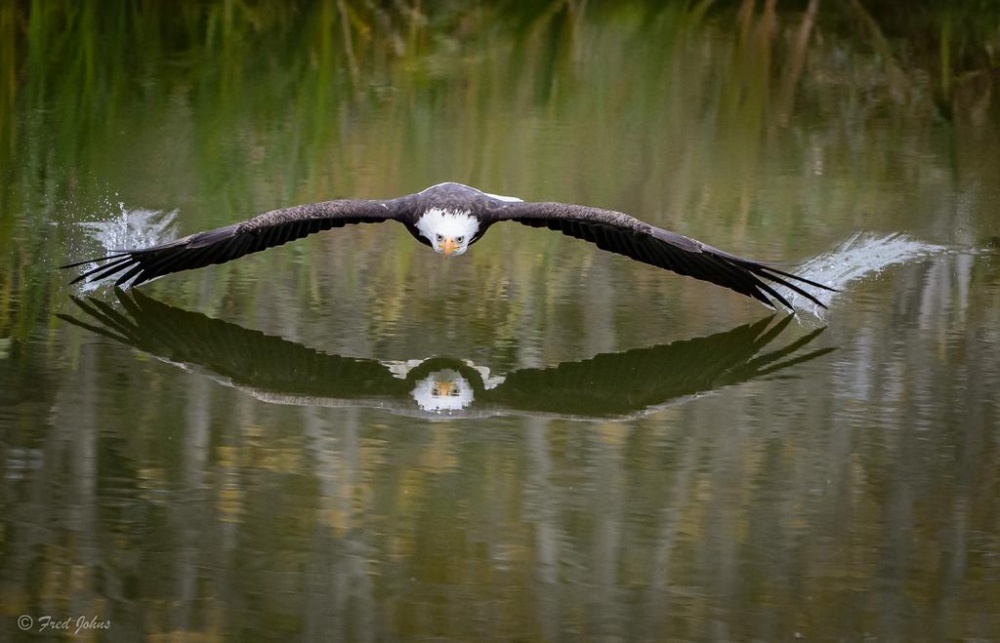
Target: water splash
860, 256
132, 228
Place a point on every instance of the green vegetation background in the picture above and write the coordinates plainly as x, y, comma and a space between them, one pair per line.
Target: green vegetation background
75, 72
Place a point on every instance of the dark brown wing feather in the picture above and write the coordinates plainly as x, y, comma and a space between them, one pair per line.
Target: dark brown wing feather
231, 242
626, 235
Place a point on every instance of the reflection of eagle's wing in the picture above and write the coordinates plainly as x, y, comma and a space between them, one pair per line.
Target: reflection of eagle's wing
619, 384
267, 365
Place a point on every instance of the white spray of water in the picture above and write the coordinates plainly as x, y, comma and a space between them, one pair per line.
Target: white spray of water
132, 228
860, 256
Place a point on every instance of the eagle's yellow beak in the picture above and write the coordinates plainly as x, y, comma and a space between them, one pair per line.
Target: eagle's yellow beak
443, 388
448, 246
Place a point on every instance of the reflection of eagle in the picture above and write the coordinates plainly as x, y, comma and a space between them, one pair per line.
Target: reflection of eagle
607, 385
450, 217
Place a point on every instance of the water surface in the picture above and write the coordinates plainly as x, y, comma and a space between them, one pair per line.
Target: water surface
238, 452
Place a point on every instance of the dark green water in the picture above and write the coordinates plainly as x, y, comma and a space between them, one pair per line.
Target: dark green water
239, 452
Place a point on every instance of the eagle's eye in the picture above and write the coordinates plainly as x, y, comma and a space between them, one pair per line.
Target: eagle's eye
439, 237
459, 239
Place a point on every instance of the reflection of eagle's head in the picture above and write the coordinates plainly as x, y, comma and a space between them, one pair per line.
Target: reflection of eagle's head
443, 390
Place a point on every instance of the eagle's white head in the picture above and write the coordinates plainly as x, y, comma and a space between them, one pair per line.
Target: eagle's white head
449, 231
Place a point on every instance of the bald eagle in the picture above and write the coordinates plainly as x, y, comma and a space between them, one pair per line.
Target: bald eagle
450, 217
